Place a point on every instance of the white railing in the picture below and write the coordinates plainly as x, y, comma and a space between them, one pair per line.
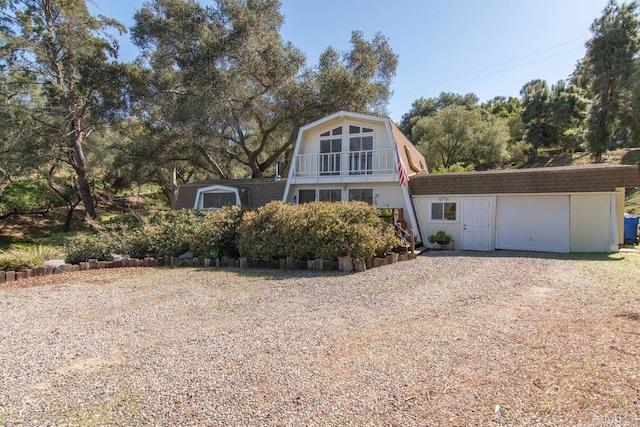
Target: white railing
366, 162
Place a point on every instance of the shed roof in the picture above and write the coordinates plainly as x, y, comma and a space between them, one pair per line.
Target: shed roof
254, 192
567, 179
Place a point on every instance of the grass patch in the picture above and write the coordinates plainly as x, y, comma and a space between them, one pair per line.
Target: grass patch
19, 258
632, 202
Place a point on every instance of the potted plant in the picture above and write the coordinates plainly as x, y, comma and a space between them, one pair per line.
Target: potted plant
441, 238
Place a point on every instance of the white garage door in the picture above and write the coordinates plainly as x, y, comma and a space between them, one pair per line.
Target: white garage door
533, 223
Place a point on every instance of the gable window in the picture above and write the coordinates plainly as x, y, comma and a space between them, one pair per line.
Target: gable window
330, 149
361, 195
218, 200
216, 197
444, 211
360, 150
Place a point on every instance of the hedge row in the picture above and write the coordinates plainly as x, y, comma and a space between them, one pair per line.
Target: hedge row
309, 231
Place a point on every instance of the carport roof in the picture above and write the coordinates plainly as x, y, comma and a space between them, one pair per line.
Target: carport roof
566, 179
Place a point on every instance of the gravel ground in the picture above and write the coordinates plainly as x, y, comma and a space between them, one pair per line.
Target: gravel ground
497, 338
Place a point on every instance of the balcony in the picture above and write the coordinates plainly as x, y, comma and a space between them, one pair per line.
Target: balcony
345, 164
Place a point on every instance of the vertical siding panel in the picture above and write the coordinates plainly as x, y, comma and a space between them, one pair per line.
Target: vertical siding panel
427, 227
590, 222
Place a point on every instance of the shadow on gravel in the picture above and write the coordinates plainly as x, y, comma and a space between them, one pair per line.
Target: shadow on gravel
276, 274
578, 256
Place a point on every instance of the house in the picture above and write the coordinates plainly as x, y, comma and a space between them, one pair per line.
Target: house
555, 209
353, 156
214, 194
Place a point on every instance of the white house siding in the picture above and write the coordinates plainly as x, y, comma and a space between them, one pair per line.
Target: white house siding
619, 197
422, 206
310, 143
591, 223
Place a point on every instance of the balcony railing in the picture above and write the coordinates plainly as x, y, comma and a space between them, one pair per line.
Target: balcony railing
366, 162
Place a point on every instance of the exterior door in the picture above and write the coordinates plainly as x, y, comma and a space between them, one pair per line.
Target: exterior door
476, 224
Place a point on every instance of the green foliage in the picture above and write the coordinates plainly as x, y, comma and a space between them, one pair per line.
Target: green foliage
440, 237
609, 71
83, 248
553, 117
461, 135
454, 168
216, 234
169, 232
315, 230
16, 259
28, 195
426, 107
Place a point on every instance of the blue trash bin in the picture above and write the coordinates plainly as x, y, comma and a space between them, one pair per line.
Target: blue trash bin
631, 230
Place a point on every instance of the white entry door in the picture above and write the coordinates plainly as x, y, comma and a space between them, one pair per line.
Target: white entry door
476, 224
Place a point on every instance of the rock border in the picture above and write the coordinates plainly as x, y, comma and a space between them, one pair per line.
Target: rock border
346, 264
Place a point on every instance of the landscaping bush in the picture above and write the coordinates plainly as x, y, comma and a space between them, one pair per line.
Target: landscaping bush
169, 233
216, 234
83, 248
16, 259
264, 233
315, 230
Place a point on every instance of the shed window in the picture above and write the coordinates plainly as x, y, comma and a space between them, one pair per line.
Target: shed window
444, 211
218, 200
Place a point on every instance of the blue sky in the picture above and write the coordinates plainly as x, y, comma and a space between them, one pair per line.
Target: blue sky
488, 47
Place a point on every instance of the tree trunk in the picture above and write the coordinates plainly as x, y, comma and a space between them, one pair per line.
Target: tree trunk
255, 170
174, 184
80, 166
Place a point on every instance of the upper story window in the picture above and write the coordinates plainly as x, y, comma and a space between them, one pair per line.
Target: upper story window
360, 150
330, 149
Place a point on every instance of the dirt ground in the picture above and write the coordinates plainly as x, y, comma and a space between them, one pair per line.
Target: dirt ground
453, 338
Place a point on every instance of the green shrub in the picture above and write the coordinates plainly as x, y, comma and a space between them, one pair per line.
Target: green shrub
169, 233
315, 230
16, 259
215, 234
83, 248
263, 233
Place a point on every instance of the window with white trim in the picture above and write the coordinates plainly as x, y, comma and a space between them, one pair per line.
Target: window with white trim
360, 150
444, 211
330, 149
216, 197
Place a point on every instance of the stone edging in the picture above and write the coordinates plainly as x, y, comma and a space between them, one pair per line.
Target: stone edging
346, 264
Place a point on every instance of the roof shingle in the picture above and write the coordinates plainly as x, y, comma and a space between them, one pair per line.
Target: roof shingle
567, 179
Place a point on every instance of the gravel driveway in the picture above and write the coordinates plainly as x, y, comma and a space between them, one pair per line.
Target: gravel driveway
451, 339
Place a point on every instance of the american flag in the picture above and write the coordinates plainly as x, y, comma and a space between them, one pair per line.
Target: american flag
403, 178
